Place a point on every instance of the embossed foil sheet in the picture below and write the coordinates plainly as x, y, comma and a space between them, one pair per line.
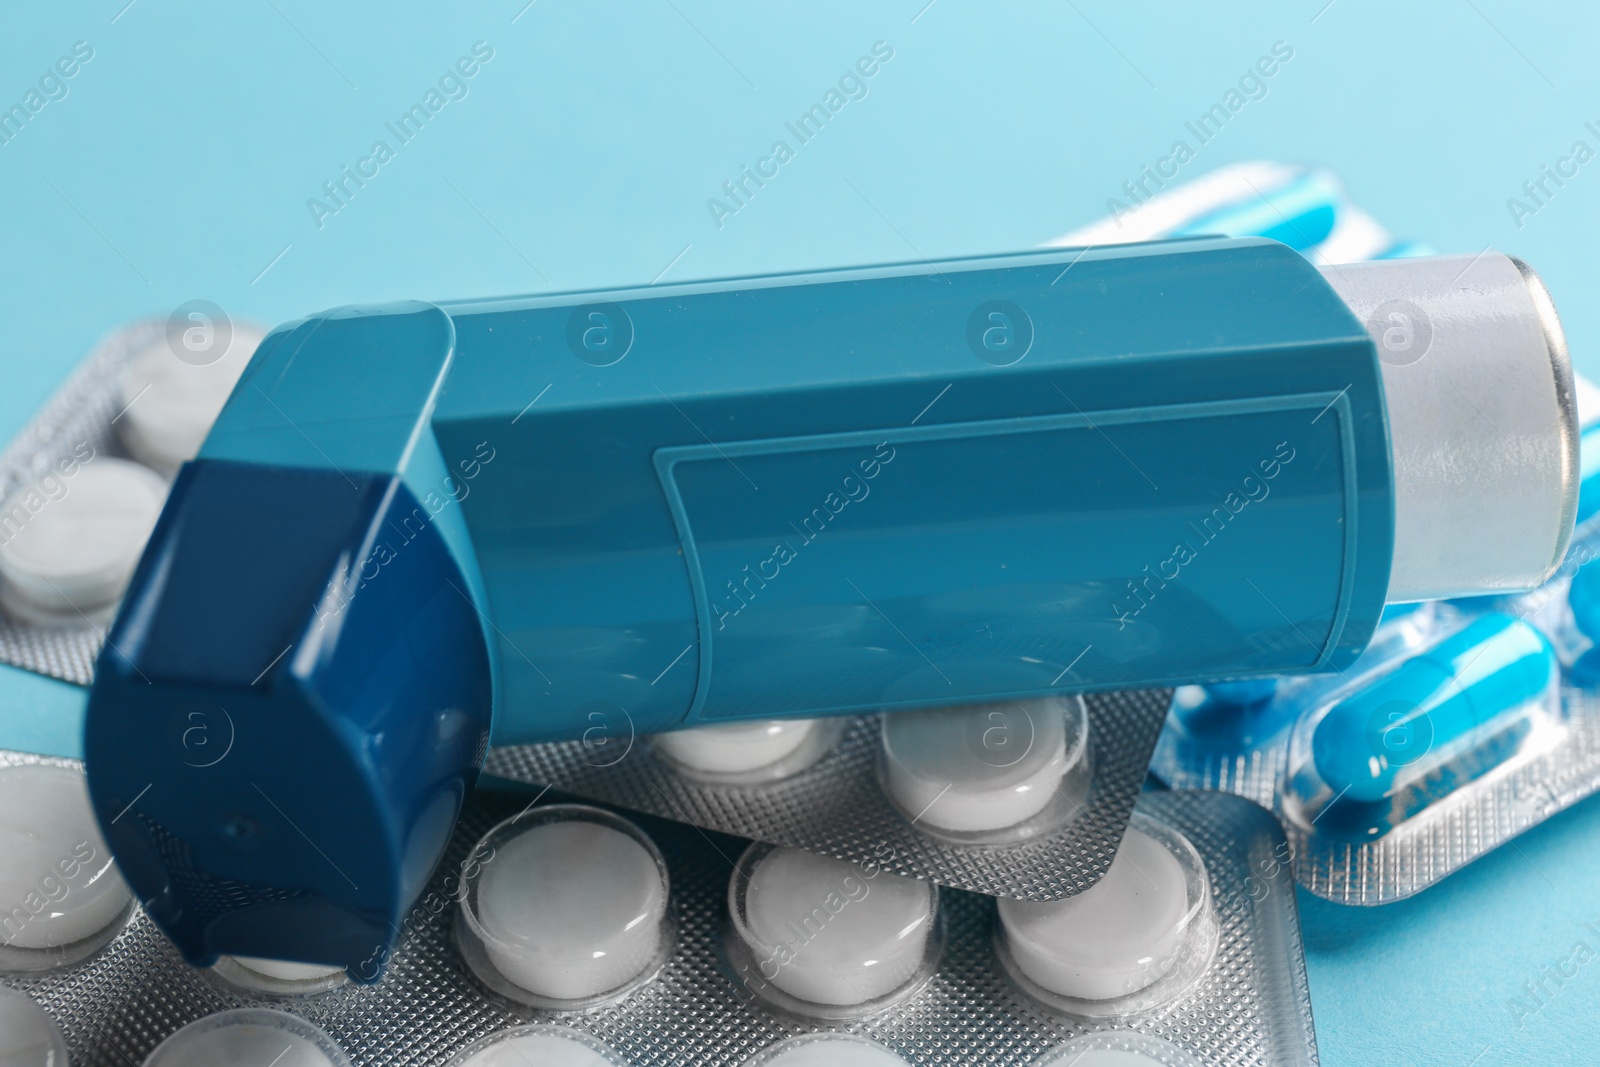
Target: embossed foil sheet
1243, 1002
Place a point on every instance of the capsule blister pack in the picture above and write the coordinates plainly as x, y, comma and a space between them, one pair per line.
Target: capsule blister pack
1233, 736
565, 933
1464, 724
1021, 799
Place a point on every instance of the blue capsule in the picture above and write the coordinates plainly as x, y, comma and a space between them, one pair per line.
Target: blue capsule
1230, 716
1399, 611
1433, 702
1300, 213
1245, 694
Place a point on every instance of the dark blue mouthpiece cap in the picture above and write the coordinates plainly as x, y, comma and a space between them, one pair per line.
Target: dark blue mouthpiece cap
287, 714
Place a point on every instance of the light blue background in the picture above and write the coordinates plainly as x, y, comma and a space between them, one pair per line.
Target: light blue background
180, 163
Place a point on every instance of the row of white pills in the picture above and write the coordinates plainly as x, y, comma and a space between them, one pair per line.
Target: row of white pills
570, 909
963, 773
72, 537
569, 906
62, 879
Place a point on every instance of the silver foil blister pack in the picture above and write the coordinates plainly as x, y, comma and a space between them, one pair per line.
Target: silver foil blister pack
1461, 826
1234, 992
79, 419
839, 805
1463, 725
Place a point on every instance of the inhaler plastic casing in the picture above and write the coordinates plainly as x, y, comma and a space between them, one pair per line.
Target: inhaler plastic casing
416, 530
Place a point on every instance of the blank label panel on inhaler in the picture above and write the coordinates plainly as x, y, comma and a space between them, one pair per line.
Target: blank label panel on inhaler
418, 530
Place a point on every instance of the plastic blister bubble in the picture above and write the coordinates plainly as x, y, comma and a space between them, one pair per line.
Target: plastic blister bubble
62, 900
565, 908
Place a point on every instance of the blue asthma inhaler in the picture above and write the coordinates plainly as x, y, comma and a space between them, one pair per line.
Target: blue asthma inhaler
418, 530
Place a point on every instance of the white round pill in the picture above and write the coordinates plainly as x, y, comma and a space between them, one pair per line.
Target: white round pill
572, 907
68, 545
169, 402
1114, 938
248, 1036
736, 747
58, 884
28, 1036
538, 1046
826, 931
287, 970
984, 767
825, 1050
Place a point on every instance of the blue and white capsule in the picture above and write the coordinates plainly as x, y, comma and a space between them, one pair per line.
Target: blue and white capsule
1434, 705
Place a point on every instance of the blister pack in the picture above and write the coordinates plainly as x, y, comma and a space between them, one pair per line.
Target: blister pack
565, 933
1306, 208
1464, 724
1022, 799
71, 431
83, 482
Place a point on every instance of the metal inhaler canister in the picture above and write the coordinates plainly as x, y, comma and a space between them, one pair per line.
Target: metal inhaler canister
417, 530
